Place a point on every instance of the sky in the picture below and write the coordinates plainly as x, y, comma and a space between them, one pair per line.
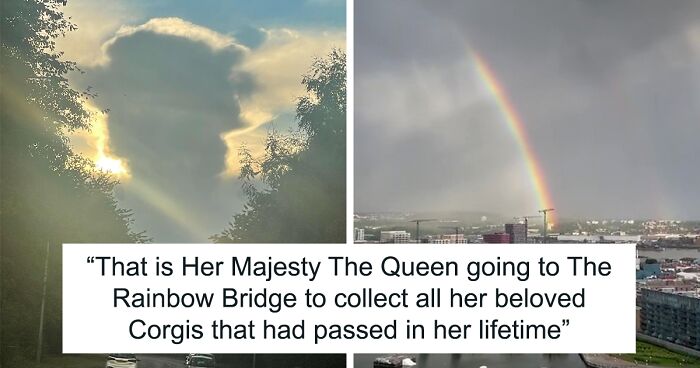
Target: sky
180, 86
608, 93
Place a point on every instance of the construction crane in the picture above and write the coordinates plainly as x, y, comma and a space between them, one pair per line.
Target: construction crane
418, 221
524, 218
456, 228
527, 227
544, 214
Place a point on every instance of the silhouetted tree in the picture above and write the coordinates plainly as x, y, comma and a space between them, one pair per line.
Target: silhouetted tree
48, 193
296, 190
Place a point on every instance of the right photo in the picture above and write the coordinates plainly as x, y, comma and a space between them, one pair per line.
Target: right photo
537, 121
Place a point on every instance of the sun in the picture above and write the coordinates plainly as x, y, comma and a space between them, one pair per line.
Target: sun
111, 165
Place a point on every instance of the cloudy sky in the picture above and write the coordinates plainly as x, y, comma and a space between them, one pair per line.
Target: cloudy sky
609, 93
186, 83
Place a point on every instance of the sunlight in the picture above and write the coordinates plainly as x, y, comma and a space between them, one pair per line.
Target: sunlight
95, 144
110, 165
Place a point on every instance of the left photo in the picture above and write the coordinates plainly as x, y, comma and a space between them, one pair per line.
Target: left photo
162, 122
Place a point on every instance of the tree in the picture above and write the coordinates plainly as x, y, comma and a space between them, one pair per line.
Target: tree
295, 192
48, 192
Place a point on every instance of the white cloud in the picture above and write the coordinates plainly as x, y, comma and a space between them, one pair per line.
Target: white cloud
181, 28
97, 20
172, 27
277, 66
282, 59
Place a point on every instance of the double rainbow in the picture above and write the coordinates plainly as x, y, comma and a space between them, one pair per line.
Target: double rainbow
517, 129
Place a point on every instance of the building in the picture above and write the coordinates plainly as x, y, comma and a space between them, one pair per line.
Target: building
674, 317
638, 319
449, 239
359, 235
496, 238
678, 285
648, 268
599, 238
396, 236
517, 233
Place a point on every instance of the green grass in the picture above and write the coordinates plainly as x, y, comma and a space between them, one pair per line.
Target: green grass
648, 354
62, 361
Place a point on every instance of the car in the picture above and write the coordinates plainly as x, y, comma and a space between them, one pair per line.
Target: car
190, 355
200, 360
394, 361
121, 360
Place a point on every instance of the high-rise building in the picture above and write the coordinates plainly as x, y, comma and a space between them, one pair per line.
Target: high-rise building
359, 234
517, 232
396, 236
673, 317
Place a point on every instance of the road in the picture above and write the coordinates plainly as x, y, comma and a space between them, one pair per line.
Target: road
247, 360
161, 361
178, 361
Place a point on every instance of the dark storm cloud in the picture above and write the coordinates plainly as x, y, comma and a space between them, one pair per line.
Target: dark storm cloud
608, 91
170, 99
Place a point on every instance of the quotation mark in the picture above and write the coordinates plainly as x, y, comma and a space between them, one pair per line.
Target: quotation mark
90, 259
564, 322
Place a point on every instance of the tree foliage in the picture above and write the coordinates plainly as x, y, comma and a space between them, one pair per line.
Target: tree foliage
48, 192
296, 190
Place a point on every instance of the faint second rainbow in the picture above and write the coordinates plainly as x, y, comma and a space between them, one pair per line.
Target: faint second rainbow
517, 129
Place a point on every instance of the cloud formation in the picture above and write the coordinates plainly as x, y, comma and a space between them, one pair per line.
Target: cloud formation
277, 64
181, 100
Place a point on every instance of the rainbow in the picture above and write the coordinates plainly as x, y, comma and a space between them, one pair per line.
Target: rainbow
517, 129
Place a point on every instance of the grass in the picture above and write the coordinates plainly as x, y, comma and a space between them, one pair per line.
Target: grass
62, 361
648, 354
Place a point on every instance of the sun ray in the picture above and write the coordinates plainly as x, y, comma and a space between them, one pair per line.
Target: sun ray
95, 145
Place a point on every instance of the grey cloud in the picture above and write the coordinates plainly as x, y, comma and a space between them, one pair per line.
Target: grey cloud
608, 91
170, 99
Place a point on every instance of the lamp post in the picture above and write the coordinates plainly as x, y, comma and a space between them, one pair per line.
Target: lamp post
40, 338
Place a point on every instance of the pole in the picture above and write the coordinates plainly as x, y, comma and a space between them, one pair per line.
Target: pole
544, 239
527, 230
417, 231
43, 305
1, 295
544, 215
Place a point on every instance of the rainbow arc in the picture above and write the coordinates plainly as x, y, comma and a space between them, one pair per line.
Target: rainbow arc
517, 129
